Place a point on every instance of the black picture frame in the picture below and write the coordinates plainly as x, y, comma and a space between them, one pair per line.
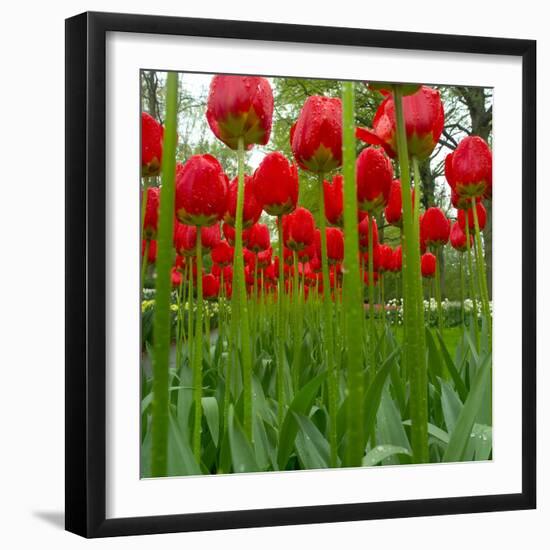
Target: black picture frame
86, 279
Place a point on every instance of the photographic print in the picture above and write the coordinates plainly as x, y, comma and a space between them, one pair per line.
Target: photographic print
316, 273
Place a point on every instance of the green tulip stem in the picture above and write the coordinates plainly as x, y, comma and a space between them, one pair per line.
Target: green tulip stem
461, 270
162, 315
438, 253
372, 328
482, 275
144, 262
197, 359
415, 343
352, 293
240, 298
328, 320
471, 278
296, 322
280, 327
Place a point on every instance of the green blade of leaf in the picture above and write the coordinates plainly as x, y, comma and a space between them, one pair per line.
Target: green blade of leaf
242, 454
312, 448
212, 414
382, 452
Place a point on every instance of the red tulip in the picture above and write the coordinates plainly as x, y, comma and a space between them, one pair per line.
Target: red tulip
427, 265
252, 209
461, 203
334, 201
481, 217
151, 219
185, 238
298, 229
315, 263
276, 184
458, 238
222, 253
435, 227
201, 191
469, 168
374, 179
258, 238
264, 258
210, 286
376, 260
240, 106
151, 253
306, 254
424, 118
316, 137
180, 263
335, 244
385, 88
249, 257
397, 259
176, 277
229, 234
364, 234
385, 257
394, 209
151, 145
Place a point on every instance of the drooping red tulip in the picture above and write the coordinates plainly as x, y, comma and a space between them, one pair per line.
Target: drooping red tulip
481, 217
335, 244
201, 191
240, 106
258, 238
469, 168
185, 238
458, 238
298, 229
151, 253
424, 118
252, 209
276, 184
151, 218
435, 227
229, 234
427, 265
364, 234
374, 178
151, 145
210, 286
316, 137
222, 253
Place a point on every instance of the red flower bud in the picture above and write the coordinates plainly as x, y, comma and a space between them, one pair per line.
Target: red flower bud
258, 238
435, 227
374, 179
481, 217
210, 286
306, 254
151, 253
385, 257
427, 265
458, 238
397, 259
469, 168
252, 209
364, 234
335, 244
185, 239
240, 106
151, 145
151, 219
424, 118
229, 234
222, 253
201, 191
263, 258
176, 277
316, 137
298, 229
276, 184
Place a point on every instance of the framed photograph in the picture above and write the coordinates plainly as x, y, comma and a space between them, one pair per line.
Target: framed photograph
300, 281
